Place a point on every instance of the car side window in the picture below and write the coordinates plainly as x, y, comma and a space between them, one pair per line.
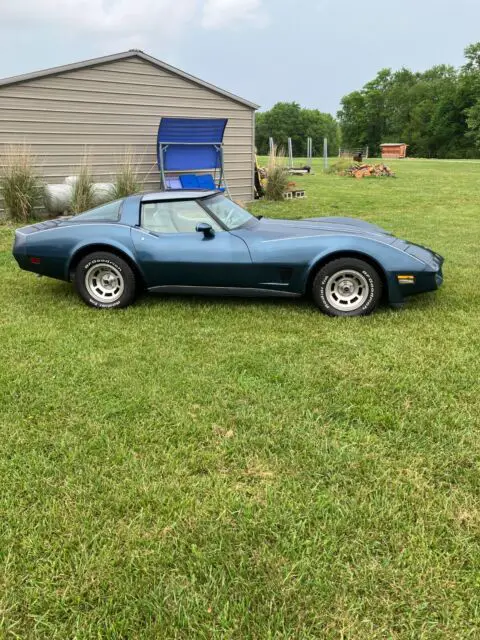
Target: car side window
109, 212
176, 216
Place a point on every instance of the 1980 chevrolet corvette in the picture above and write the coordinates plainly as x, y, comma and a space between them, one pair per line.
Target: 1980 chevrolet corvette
203, 243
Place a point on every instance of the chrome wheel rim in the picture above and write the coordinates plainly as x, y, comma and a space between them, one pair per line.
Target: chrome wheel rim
347, 290
104, 282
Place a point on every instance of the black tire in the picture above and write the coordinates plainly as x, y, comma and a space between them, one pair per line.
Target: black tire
362, 287
121, 286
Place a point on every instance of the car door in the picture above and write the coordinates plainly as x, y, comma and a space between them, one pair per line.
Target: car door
172, 252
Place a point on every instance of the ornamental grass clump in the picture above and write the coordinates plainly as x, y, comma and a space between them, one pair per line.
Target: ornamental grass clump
19, 183
83, 197
277, 176
339, 166
126, 181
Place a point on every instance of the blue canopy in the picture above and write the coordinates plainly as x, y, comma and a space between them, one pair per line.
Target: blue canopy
194, 130
190, 144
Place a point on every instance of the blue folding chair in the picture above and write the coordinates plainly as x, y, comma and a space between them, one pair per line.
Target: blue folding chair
187, 146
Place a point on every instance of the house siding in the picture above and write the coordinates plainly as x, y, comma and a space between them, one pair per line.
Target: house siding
104, 109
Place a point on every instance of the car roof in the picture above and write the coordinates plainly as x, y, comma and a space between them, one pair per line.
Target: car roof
178, 194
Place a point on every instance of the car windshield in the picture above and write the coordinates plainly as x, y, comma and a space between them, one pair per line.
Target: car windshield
229, 213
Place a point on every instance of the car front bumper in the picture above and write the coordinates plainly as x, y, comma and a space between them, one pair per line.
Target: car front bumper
430, 279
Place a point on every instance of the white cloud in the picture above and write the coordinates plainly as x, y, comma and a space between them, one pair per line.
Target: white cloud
131, 20
121, 17
218, 14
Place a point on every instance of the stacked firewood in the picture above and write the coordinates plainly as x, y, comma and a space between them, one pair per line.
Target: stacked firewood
369, 170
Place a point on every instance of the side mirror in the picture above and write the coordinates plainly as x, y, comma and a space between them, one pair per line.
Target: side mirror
206, 229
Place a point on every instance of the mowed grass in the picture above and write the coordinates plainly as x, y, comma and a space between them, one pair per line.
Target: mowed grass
197, 468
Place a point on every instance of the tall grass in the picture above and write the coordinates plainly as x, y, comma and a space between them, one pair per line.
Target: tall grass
19, 183
83, 194
127, 181
277, 177
339, 166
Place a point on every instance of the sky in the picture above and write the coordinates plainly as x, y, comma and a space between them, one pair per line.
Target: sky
309, 51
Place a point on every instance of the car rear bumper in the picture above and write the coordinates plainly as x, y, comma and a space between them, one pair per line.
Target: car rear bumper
37, 260
20, 250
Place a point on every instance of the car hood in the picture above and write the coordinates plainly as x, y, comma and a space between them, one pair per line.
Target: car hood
270, 229
322, 226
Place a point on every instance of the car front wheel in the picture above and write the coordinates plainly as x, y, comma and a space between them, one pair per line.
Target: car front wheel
105, 281
347, 287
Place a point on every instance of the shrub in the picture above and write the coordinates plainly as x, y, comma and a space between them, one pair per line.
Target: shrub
339, 166
19, 183
277, 176
126, 181
83, 195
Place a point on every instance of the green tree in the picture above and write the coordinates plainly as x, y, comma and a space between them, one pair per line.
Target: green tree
436, 112
363, 115
353, 119
289, 119
469, 93
472, 55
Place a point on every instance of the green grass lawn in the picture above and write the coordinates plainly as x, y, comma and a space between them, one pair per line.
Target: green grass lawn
197, 468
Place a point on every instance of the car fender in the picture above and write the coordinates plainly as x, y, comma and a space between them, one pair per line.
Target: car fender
98, 242
386, 257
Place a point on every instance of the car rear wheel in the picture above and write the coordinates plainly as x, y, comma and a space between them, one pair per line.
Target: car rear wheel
105, 281
347, 287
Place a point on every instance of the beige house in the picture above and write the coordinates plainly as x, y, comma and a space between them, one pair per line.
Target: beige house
107, 105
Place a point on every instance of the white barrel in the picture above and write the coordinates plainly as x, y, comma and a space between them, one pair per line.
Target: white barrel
58, 197
103, 192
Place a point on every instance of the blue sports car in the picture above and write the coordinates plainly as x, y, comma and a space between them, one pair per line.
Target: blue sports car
200, 242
